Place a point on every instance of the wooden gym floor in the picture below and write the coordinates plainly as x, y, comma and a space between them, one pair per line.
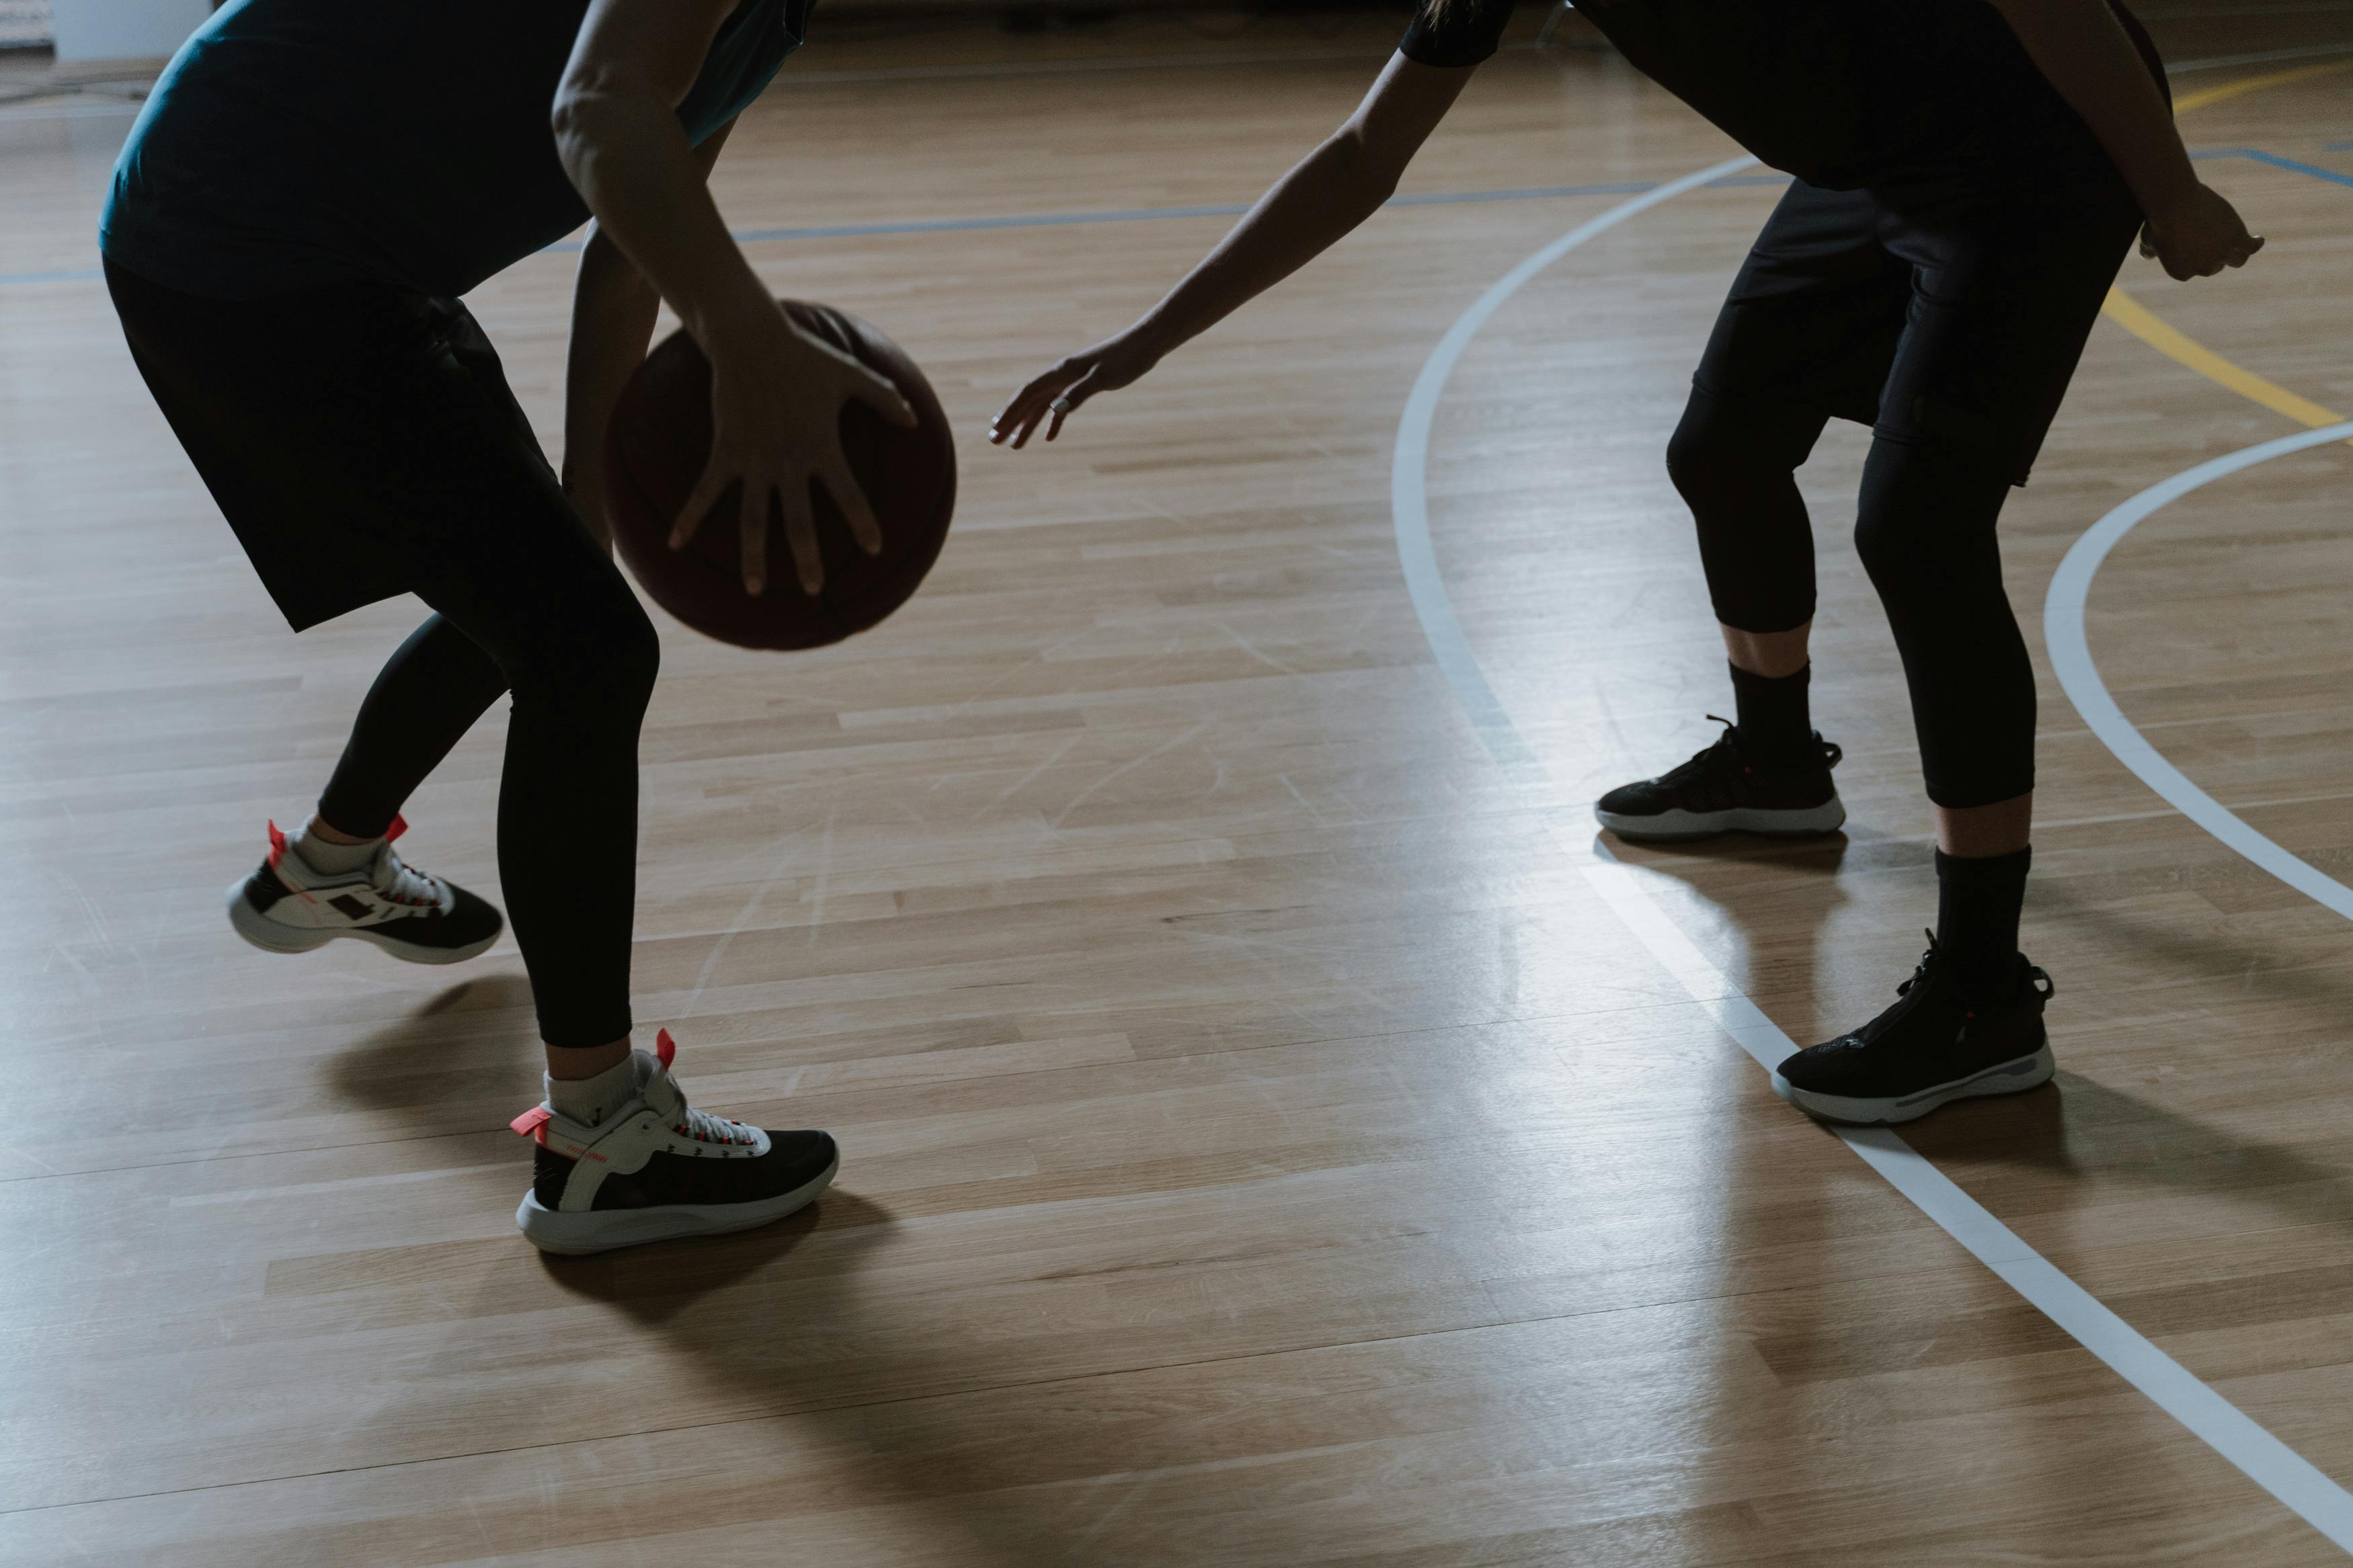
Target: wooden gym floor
1265, 1143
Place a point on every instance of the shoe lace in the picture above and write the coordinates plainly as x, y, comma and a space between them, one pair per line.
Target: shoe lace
705, 1128
1722, 755
395, 880
1920, 969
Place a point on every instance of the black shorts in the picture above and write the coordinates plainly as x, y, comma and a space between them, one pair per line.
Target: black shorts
1956, 319
361, 440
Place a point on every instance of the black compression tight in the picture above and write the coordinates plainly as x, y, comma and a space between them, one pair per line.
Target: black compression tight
580, 658
1925, 526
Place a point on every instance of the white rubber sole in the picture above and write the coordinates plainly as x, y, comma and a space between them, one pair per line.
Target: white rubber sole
1827, 817
552, 1230
275, 936
2014, 1076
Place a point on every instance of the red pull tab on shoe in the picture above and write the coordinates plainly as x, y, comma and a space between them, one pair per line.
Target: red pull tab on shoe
665, 1048
532, 1123
277, 845
399, 826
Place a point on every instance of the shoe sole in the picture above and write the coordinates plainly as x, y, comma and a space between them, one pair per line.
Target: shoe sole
2014, 1076
602, 1230
271, 936
1810, 822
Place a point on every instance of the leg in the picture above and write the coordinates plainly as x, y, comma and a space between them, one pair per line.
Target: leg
2005, 298
432, 690
1734, 460
564, 632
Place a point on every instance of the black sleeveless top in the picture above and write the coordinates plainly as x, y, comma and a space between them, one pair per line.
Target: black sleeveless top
1841, 93
300, 142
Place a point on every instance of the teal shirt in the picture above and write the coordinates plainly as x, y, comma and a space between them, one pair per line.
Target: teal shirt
295, 143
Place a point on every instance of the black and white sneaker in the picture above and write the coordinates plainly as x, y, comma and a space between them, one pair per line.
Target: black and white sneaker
1932, 1048
656, 1168
1719, 791
288, 906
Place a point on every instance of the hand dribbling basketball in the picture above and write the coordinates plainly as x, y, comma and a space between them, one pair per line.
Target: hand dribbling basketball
776, 396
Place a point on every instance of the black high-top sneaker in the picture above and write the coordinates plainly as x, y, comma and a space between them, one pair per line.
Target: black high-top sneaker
1720, 790
656, 1168
1932, 1048
286, 906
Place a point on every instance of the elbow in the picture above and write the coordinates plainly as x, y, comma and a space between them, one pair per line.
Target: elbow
584, 118
1370, 178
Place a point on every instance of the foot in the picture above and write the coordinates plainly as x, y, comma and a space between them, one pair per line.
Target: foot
1719, 791
654, 1168
288, 906
1932, 1048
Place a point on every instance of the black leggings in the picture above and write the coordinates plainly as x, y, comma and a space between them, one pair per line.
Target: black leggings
1950, 322
362, 442
1925, 529
581, 675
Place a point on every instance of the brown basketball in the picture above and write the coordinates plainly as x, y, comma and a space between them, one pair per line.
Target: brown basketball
655, 452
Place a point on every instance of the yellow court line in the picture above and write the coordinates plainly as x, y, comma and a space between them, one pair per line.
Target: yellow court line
2256, 84
2145, 324
2134, 317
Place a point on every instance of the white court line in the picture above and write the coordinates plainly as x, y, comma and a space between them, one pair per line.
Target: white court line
2070, 660
2214, 1420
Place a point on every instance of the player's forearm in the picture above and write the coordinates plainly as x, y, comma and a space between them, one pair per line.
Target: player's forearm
629, 158
613, 311
2084, 51
1304, 214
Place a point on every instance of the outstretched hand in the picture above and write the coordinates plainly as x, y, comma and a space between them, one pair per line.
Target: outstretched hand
777, 397
2202, 236
1054, 397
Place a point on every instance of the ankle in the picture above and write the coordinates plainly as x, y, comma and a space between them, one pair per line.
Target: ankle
1774, 718
330, 852
590, 1099
1979, 901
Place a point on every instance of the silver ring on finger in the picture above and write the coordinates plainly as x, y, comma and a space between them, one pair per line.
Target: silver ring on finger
1060, 406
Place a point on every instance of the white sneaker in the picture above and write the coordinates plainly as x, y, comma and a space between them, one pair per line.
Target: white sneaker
656, 1168
288, 906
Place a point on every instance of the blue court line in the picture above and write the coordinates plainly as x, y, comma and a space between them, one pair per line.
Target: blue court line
1154, 215
2316, 171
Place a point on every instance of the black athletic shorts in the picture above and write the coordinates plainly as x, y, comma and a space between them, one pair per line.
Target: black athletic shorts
1953, 316
361, 440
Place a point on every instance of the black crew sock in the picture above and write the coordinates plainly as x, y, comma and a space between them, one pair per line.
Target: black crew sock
1776, 728
1977, 900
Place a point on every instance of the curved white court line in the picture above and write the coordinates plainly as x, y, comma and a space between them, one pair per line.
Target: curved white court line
2070, 660
2214, 1420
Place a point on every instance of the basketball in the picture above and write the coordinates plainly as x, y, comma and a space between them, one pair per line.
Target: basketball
654, 455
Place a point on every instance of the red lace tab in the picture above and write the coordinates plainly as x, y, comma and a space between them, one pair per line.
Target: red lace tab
277, 845
532, 1123
399, 826
665, 1048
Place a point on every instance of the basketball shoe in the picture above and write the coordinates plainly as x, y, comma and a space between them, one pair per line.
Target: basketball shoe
1933, 1046
653, 1167
1720, 790
288, 905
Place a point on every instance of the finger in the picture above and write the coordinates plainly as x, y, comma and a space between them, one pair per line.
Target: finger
756, 545
1030, 419
1010, 418
849, 499
880, 392
800, 534
1068, 404
1024, 408
708, 492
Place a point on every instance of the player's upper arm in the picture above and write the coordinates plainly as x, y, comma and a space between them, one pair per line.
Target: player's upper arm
639, 49
1407, 102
